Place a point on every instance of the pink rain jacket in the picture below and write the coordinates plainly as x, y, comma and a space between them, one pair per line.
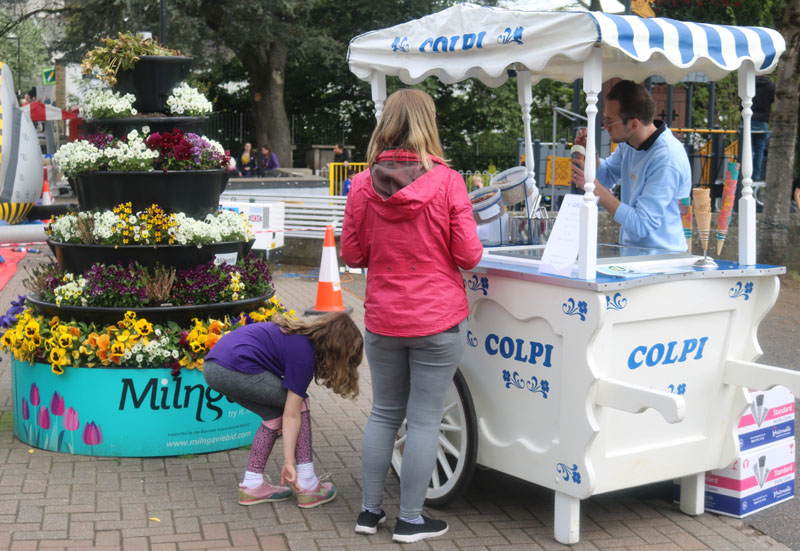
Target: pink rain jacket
412, 230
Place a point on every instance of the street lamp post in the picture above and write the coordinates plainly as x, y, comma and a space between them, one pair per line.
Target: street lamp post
19, 63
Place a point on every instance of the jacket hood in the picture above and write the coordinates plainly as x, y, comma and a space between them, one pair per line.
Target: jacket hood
402, 186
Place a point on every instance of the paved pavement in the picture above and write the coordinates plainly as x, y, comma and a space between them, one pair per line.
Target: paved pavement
51, 501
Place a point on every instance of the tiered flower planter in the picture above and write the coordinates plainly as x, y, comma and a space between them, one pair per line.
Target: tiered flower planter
152, 79
114, 410
193, 192
196, 125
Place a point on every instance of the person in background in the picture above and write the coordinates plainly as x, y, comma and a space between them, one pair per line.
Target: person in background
477, 182
796, 195
409, 221
246, 162
341, 155
759, 124
267, 368
347, 183
267, 160
650, 165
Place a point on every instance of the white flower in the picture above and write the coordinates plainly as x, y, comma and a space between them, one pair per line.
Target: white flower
105, 104
188, 101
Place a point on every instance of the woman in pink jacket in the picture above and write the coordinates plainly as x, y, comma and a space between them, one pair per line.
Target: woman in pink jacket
409, 221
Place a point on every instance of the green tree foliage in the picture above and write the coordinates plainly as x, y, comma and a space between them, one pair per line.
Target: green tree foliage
749, 13
33, 52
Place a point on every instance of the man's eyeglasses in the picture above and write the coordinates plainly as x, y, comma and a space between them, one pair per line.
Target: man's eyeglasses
608, 124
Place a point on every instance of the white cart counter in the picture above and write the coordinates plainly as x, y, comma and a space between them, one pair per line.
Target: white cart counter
592, 386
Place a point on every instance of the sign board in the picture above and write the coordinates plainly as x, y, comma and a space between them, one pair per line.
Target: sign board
48, 76
130, 412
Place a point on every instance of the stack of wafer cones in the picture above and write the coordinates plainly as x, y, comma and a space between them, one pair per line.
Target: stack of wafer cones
685, 205
701, 202
726, 210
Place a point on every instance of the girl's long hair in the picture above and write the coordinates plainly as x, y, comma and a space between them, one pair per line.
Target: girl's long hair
338, 349
408, 122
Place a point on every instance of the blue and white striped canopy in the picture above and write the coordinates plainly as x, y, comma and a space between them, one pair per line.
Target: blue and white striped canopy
470, 41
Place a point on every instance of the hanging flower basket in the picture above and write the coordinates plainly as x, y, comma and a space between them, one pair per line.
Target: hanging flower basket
152, 79
193, 192
76, 257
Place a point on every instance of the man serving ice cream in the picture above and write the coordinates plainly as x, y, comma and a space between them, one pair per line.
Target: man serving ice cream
650, 164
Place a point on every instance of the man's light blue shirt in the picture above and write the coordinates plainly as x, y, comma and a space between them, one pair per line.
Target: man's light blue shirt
654, 178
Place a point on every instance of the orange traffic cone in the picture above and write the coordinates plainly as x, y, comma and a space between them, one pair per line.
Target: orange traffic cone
329, 289
47, 196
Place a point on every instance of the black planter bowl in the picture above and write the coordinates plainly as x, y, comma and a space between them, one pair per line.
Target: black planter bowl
193, 192
122, 126
152, 79
182, 315
77, 258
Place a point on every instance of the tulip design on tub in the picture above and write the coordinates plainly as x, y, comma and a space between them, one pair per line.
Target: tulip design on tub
53, 427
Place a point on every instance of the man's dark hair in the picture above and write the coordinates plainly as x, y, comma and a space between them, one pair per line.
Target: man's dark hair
634, 100
339, 146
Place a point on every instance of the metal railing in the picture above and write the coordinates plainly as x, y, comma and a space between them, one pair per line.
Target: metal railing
338, 172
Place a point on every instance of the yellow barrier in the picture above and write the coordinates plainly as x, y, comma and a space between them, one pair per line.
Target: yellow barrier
337, 173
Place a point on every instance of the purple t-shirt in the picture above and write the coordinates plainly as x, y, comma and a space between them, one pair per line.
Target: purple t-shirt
264, 347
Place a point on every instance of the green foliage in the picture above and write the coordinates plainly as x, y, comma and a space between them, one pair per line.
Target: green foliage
758, 13
33, 52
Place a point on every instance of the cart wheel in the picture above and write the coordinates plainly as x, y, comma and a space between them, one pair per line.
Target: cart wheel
458, 446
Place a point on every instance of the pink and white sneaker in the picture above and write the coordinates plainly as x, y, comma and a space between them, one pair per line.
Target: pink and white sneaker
263, 494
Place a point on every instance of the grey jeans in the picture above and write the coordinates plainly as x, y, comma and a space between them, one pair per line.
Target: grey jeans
410, 378
262, 393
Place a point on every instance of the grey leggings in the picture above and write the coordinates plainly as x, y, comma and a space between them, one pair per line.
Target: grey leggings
261, 393
410, 378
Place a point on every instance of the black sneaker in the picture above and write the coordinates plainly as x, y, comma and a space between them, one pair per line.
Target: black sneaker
406, 532
367, 522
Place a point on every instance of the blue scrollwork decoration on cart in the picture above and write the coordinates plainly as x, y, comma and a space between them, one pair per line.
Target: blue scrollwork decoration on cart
740, 290
533, 384
568, 472
677, 389
618, 302
572, 309
475, 284
472, 340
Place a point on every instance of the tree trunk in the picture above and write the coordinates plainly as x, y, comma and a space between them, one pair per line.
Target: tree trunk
774, 227
267, 82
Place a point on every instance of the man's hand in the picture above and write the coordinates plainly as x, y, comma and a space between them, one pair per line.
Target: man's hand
580, 137
577, 173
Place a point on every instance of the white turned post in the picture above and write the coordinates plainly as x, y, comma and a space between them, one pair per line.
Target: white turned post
693, 494
567, 519
747, 203
587, 248
378, 83
525, 97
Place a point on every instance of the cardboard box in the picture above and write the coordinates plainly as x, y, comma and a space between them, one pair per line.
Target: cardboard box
758, 479
769, 419
267, 220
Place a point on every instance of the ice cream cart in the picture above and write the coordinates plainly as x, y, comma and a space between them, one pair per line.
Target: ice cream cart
593, 381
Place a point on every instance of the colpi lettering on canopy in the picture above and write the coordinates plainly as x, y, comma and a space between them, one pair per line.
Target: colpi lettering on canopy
667, 353
465, 41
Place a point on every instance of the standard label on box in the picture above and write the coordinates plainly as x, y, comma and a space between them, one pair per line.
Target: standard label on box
769, 419
757, 479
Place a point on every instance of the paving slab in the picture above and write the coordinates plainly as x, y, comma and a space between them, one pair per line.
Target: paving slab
51, 501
